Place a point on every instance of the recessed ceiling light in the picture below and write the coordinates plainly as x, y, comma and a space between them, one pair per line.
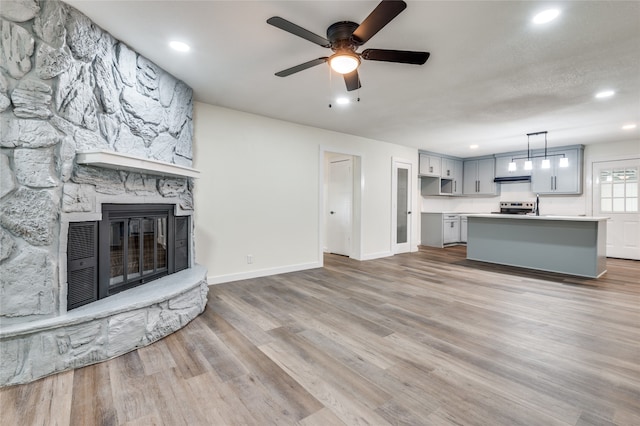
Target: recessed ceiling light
342, 101
629, 126
546, 16
473, 146
605, 94
179, 46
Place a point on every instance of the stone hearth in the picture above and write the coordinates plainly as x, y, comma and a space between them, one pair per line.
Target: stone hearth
84, 121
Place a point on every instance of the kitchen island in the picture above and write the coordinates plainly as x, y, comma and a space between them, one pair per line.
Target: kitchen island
574, 245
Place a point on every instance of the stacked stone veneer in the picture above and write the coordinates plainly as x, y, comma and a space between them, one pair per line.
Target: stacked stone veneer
67, 86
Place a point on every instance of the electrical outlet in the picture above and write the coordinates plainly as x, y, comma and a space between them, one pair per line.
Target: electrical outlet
249, 258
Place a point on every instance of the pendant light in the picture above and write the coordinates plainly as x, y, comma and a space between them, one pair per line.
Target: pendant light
546, 162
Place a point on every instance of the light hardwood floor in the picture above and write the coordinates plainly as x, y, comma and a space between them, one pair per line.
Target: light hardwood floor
416, 339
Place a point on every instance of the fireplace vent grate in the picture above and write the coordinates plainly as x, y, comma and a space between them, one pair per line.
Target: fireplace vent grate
182, 244
82, 262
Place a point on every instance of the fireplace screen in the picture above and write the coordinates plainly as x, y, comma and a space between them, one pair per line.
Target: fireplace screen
135, 244
137, 249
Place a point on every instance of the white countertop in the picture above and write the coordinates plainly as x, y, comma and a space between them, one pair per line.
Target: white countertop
541, 217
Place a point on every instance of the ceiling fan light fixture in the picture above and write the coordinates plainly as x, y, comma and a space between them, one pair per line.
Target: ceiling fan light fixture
344, 62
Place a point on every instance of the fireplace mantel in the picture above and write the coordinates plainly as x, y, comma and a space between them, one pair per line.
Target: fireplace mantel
119, 161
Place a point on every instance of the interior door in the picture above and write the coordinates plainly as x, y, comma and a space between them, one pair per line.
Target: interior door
615, 195
401, 207
339, 207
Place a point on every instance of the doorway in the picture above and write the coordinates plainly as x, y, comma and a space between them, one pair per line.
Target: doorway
339, 206
615, 195
341, 201
401, 206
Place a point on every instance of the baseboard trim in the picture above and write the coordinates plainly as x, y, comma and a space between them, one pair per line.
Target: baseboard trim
220, 279
371, 256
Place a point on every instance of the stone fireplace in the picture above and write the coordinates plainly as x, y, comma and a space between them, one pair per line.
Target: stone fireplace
96, 141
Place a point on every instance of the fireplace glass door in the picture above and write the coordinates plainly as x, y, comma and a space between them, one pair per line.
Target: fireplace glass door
137, 249
139, 243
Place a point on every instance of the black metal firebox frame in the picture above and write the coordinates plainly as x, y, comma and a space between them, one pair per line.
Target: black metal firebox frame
88, 251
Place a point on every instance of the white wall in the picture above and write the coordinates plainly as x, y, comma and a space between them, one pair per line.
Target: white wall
549, 204
260, 191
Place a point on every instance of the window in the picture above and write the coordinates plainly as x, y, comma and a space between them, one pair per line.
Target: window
619, 190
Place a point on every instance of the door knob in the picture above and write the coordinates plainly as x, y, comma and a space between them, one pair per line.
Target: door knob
331, 212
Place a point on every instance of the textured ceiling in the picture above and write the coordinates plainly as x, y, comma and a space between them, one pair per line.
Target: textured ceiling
492, 76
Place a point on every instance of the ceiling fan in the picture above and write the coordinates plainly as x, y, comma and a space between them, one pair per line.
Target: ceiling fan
345, 37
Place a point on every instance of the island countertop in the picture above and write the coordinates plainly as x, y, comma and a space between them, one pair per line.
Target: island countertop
541, 217
574, 245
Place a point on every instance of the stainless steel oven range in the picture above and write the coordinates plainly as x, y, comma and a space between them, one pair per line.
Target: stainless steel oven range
517, 207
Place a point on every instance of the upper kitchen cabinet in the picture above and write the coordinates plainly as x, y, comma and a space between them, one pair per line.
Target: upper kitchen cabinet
430, 165
453, 170
558, 179
479, 177
440, 175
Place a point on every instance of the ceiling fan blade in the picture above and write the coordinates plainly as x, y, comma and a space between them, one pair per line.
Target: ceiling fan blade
402, 56
301, 67
294, 29
381, 16
352, 80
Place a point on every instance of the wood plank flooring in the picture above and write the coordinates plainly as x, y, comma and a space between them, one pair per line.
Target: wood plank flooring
426, 338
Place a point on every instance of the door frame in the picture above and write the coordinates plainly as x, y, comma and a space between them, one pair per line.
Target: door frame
412, 204
356, 213
591, 198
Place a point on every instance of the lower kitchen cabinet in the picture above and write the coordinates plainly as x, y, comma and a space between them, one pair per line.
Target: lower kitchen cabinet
451, 229
439, 229
463, 229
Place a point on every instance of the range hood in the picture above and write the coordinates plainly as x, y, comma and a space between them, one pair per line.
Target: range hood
507, 179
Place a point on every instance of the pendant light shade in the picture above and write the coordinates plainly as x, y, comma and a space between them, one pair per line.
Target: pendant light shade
512, 166
528, 165
546, 164
564, 162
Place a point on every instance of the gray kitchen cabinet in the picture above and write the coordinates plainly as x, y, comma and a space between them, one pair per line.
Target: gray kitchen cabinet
451, 229
430, 165
556, 179
452, 170
431, 185
439, 229
478, 177
463, 228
